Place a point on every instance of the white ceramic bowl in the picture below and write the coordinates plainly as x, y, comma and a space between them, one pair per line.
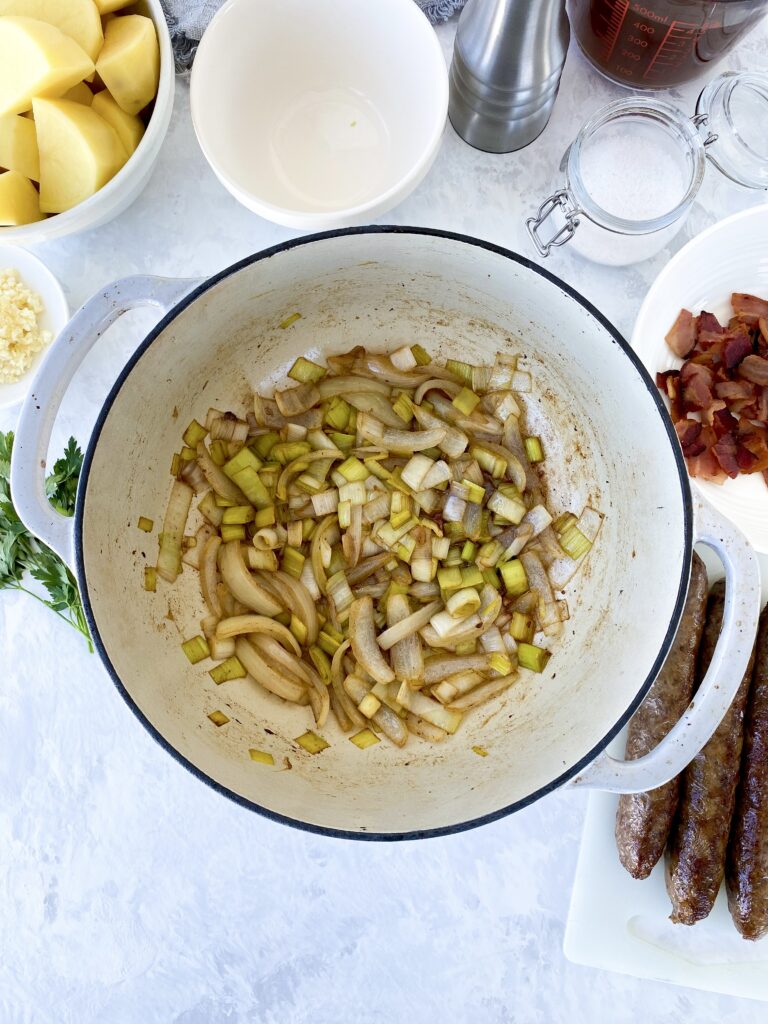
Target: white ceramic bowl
126, 186
731, 256
317, 115
38, 278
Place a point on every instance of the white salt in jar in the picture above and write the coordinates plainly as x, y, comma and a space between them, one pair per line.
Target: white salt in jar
635, 168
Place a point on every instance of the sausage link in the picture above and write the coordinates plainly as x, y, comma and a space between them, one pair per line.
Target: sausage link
696, 853
746, 871
643, 820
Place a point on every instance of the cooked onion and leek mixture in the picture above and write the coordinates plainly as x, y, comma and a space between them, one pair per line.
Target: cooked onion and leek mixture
377, 543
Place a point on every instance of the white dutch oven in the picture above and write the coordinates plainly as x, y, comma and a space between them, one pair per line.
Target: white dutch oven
609, 443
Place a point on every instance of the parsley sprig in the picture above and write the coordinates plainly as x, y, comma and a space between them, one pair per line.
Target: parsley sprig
22, 554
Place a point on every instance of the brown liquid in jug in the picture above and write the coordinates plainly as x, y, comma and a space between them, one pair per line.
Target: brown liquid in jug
652, 44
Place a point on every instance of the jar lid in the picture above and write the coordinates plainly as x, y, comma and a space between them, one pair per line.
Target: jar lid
734, 110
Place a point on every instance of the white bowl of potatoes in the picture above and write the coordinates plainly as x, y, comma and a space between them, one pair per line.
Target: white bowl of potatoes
86, 94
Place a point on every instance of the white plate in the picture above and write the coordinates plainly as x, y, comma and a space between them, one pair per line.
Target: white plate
731, 256
38, 278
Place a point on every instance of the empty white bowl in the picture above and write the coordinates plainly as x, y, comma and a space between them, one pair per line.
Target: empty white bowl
54, 317
319, 115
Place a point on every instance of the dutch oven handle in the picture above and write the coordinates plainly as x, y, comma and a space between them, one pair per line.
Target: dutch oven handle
38, 415
719, 686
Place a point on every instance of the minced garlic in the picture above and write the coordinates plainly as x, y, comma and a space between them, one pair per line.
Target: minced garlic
20, 335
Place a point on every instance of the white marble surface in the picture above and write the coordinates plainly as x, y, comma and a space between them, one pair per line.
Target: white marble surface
131, 892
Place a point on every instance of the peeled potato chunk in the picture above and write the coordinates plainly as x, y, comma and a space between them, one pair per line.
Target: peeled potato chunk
129, 128
78, 19
79, 153
18, 146
107, 6
37, 59
19, 201
129, 63
79, 93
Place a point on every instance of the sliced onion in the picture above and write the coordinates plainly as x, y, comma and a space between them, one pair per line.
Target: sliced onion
322, 531
343, 386
483, 693
174, 524
538, 518
239, 625
443, 666
367, 568
242, 584
376, 404
424, 591
454, 686
362, 633
209, 576
218, 479
398, 440
299, 399
385, 718
258, 668
454, 442
299, 465
450, 387
352, 540
337, 682
409, 625
377, 507
407, 657
192, 474
297, 599
424, 729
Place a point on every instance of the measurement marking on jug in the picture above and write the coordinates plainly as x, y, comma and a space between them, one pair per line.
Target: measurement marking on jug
614, 25
674, 47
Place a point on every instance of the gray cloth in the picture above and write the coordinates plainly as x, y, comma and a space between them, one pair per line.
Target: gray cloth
188, 19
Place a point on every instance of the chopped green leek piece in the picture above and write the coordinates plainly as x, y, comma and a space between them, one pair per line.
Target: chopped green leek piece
337, 413
470, 647
194, 434
232, 532
471, 576
284, 618
466, 401
574, 543
289, 451
265, 517
492, 463
311, 742
298, 629
187, 454
239, 515
476, 492
532, 657
373, 467
293, 562
218, 452
344, 514
364, 739
491, 577
454, 530
480, 751
449, 579
147, 525
218, 718
533, 449
175, 464
264, 443
405, 548
322, 663
461, 370
261, 756
352, 469
521, 627
245, 458
434, 454
309, 484
369, 705
403, 407
468, 552
342, 441
230, 668
422, 357
196, 649
150, 579
289, 320
306, 372
223, 502
327, 643
500, 663
514, 576
308, 527
398, 518
253, 487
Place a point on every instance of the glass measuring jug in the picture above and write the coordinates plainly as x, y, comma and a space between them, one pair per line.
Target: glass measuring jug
654, 44
634, 170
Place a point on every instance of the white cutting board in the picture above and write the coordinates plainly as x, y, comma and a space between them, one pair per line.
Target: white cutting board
619, 924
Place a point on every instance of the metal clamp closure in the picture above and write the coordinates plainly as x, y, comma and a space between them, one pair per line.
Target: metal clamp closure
561, 200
